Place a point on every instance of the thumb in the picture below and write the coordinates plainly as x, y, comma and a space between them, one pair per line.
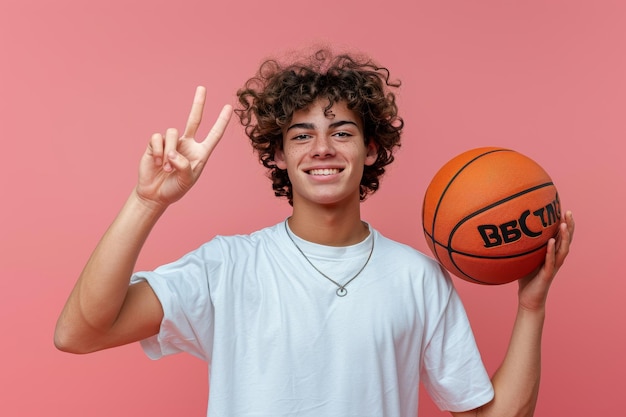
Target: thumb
182, 167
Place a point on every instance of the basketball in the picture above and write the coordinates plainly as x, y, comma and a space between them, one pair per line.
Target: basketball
488, 214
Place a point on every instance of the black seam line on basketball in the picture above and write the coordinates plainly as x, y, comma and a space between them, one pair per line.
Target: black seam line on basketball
492, 205
497, 257
471, 255
432, 228
493, 257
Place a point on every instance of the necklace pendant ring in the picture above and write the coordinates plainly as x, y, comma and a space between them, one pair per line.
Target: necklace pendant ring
341, 290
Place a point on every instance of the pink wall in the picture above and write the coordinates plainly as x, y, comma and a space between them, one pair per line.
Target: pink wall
83, 85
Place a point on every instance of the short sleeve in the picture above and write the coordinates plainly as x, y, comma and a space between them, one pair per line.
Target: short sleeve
453, 372
183, 290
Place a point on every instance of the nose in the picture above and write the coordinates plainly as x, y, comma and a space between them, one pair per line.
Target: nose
322, 146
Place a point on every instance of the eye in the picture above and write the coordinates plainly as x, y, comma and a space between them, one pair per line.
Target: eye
302, 136
342, 134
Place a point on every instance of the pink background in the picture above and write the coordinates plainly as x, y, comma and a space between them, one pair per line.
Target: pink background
83, 85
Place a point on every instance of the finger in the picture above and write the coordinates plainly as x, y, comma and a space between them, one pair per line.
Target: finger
549, 265
571, 225
565, 226
155, 149
195, 115
218, 129
171, 141
182, 166
565, 239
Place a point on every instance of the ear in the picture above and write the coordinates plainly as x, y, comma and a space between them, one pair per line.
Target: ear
279, 158
372, 152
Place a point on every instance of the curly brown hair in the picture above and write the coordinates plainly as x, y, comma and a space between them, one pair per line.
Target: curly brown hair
269, 100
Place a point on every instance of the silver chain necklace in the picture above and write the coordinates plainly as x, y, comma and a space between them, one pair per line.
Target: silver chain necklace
341, 289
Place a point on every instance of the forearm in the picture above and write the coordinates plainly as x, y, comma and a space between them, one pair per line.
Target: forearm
516, 382
99, 294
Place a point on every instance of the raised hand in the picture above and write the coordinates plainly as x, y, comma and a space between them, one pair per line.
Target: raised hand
533, 289
171, 165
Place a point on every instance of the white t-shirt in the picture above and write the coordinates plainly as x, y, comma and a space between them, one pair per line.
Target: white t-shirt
280, 342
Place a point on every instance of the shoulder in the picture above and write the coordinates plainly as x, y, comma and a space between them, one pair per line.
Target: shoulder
402, 252
402, 260
266, 234
265, 237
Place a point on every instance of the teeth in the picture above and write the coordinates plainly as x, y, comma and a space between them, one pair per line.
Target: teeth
324, 171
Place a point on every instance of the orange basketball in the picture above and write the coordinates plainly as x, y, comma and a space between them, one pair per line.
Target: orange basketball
488, 214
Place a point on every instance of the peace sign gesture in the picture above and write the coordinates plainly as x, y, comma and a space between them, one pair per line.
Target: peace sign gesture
171, 165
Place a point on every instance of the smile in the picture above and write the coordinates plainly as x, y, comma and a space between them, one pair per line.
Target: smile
325, 171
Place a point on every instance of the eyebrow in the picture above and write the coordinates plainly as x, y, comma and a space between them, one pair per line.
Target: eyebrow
311, 126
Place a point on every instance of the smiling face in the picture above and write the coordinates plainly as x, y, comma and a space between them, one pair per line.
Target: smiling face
324, 153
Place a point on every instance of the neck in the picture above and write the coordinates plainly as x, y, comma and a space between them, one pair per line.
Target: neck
329, 226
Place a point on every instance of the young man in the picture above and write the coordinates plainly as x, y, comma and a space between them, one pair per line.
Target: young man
319, 315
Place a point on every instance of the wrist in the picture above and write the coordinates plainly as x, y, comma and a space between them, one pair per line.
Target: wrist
537, 313
146, 207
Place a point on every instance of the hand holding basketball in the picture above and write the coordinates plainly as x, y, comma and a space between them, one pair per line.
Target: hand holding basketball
533, 289
488, 215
